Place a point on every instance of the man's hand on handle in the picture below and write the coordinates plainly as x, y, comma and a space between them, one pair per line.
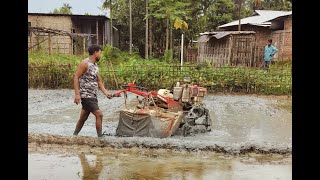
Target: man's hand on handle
109, 96
116, 95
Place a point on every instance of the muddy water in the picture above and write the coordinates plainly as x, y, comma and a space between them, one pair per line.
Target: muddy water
79, 162
251, 139
261, 123
249, 119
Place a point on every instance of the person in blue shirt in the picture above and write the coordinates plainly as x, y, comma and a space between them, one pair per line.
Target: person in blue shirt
269, 51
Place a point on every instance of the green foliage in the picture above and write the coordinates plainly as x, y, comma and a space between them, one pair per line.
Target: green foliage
65, 9
219, 13
168, 55
280, 5
107, 52
207, 15
120, 12
116, 56
171, 9
56, 71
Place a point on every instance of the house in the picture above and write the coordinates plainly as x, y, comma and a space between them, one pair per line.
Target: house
234, 48
69, 33
268, 24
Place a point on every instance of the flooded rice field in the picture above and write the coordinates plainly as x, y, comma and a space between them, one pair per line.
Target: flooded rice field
81, 162
250, 139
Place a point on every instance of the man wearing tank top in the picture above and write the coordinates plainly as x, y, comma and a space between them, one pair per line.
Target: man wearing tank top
86, 83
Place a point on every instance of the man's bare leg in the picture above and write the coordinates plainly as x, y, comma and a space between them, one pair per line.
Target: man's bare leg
99, 116
83, 117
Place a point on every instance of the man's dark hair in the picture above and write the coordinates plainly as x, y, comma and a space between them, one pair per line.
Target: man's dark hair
270, 40
93, 48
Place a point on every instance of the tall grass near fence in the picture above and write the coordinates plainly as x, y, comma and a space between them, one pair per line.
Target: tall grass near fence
56, 71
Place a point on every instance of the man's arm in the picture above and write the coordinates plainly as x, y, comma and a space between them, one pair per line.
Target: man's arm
81, 69
102, 88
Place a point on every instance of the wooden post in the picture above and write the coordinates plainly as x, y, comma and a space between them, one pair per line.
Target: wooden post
31, 41
181, 51
239, 26
106, 34
230, 48
241, 45
103, 34
49, 43
251, 49
111, 29
97, 32
198, 59
281, 48
84, 45
150, 38
71, 46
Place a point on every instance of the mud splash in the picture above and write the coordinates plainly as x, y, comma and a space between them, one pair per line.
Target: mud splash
154, 143
79, 162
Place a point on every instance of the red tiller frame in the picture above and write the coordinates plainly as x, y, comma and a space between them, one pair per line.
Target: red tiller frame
131, 87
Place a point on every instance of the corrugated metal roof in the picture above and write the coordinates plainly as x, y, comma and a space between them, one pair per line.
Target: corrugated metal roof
222, 34
229, 32
71, 15
205, 37
266, 24
261, 18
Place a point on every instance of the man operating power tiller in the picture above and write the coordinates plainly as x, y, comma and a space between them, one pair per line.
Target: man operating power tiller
86, 83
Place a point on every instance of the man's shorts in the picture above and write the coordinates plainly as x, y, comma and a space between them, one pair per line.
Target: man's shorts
90, 104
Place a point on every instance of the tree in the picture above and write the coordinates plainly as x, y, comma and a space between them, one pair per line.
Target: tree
108, 5
169, 10
199, 18
280, 5
65, 9
111, 28
120, 15
239, 15
246, 9
220, 12
256, 4
130, 16
147, 36
208, 14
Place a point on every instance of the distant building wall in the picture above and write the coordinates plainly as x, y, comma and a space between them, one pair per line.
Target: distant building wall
59, 44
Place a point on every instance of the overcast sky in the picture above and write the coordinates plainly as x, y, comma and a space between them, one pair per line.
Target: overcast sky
78, 6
